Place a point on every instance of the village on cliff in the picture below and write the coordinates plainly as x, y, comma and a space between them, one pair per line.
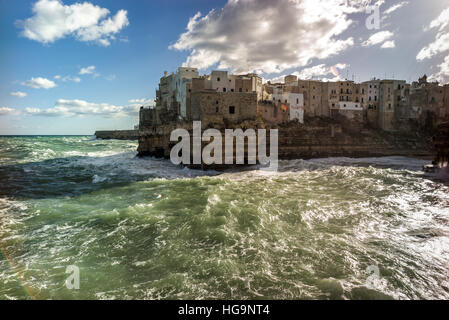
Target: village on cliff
315, 118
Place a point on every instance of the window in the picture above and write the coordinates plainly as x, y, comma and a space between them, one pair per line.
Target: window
218, 79
216, 102
240, 90
231, 110
297, 101
216, 109
232, 90
389, 106
224, 89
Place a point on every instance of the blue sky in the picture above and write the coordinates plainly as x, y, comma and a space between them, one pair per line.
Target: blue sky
128, 46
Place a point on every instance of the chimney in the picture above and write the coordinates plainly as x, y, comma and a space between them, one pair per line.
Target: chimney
165, 73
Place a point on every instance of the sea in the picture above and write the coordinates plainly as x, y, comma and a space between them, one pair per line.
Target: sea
77, 210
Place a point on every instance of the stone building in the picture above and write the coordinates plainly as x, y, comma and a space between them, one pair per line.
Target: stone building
221, 81
391, 95
172, 93
331, 97
312, 91
427, 104
216, 108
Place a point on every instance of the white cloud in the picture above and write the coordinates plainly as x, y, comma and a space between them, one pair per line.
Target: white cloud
57, 77
388, 45
440, 44
377, 38
5, 111
70, 78
442, 75
39, 83
268, 36
320, 71
441, 21
146, 102
111, 77
52, 20
395, 7
72, 108
18, 94
87, 70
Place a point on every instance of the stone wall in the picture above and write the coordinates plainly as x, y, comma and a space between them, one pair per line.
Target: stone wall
118, 134
213, 107
318, 138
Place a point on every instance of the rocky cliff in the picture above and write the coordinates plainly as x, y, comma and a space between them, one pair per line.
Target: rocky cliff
118, 134
441, 141
318, 138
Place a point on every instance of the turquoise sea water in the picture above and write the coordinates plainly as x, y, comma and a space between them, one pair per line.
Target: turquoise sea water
146, 229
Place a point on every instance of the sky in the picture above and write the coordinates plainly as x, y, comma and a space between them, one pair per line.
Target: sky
74, 67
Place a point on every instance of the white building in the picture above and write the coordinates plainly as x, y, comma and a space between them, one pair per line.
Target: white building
295, 100
183, 76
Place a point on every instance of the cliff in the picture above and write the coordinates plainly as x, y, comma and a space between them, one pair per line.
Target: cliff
318, 138
441, 140
118, 134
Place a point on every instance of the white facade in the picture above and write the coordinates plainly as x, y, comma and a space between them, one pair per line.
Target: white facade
183, 76
221, 82
295, 100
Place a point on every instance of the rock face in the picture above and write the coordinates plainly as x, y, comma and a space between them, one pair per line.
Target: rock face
318, 138
441, 141
118, 134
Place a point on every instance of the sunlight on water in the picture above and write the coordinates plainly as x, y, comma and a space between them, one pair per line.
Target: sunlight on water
146, 229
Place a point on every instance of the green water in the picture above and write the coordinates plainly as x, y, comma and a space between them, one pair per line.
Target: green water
146, 229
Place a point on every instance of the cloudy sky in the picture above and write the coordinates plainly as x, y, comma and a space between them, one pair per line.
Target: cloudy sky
73, 67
